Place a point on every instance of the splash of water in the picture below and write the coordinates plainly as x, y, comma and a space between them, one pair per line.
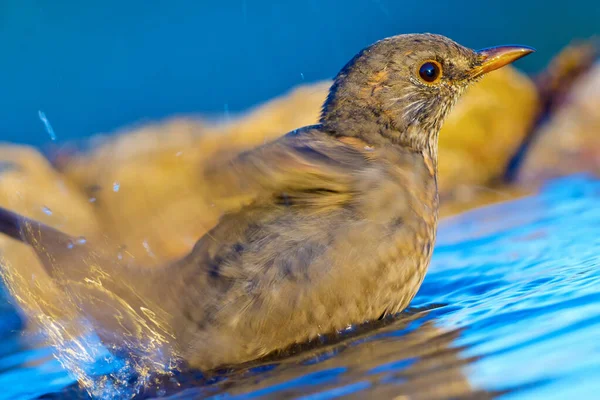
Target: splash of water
114, 359
47, 125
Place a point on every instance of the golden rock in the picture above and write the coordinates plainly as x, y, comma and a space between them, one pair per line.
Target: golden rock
484, 131
569, 141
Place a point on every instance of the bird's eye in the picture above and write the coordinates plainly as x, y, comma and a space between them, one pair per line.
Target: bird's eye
430, 71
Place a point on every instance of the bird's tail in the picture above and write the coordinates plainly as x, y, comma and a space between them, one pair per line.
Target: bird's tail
10, 224
62, 256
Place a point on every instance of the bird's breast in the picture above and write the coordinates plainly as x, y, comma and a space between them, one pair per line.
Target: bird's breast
399, 204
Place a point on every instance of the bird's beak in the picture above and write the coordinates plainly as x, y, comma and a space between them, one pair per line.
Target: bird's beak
493, 58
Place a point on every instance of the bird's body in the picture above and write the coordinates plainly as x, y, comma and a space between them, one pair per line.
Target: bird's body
346, 247
339, 223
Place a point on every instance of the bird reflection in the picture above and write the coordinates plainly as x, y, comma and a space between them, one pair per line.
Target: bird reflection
406, 356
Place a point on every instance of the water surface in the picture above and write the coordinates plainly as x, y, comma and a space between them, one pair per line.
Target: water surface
510, 308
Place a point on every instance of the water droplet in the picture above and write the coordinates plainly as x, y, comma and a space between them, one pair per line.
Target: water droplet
116, 186
302, 75
92, 200
81, 240
46, 210
147, 247
70, 245
178, 153
47, 125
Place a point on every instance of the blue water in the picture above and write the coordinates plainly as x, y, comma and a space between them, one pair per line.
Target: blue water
510, 308
92, 68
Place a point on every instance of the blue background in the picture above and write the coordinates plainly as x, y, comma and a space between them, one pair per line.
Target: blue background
93, 66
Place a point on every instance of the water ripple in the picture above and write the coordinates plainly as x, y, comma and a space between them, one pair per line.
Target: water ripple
510, 308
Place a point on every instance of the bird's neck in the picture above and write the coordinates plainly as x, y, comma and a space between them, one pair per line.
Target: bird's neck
364, 125
355, 112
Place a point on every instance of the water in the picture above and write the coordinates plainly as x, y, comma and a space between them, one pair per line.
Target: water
509, 308
47, 125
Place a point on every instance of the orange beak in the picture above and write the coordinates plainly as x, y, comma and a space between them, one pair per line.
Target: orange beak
496, 57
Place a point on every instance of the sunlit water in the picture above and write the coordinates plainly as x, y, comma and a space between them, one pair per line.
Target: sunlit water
510, 308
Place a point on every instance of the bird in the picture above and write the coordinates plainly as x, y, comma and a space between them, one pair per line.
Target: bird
337, 226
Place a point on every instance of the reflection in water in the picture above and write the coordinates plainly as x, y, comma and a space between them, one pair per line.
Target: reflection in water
389, 358
511, 307
399, 359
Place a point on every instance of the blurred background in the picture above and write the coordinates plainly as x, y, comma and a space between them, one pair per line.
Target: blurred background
92, 67
510, 305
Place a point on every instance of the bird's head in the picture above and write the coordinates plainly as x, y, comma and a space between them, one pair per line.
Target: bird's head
400, 89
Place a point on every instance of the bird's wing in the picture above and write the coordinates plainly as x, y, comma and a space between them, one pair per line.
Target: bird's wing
290, 184
309, 171
300, 167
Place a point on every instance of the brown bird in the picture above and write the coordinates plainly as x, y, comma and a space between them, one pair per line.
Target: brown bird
338, 227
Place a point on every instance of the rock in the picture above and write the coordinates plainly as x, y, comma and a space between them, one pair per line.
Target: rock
483, 133
569, 141
556, 80
466, 198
